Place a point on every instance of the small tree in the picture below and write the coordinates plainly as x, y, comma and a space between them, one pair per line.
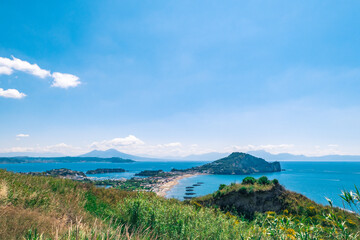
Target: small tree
275, 181
249, 180
222, 186
263, 180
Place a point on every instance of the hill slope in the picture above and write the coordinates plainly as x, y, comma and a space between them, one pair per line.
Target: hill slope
292, 157
238, 164
38, 207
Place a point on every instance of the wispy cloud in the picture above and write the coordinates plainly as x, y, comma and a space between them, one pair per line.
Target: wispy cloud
174, 144
23, 66
61, 80
11, 93
273, 148
130, 140
62, 148
136, 146
22, 135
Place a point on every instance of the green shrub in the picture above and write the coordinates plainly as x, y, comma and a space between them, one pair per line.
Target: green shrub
263, 180
243, 190
275, 181
249, 180
222, 186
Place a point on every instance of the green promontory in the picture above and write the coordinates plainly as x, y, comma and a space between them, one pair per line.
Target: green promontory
238, 164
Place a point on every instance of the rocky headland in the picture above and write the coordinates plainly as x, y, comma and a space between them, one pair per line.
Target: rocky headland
237, 164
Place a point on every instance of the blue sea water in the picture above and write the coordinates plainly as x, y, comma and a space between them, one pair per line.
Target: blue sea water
131, 168
316, 180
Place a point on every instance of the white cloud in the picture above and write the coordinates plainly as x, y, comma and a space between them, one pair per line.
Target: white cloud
5, 70
62, 148
22, 135
11, 93
135, 146
130, 140
174, 144
24, 66
269, 147
64, 80
61, 80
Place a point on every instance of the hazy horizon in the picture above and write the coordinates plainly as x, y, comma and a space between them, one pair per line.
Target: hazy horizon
171, 79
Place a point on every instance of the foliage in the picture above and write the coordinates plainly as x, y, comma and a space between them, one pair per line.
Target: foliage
249, 180
37, 207
238, 164
352, 199
263, 180
275, 181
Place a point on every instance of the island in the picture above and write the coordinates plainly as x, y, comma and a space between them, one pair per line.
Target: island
150, 173
237, 163
105, 170
61, 172
160, 182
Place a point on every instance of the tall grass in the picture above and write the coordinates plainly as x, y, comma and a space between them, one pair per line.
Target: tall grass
51, 208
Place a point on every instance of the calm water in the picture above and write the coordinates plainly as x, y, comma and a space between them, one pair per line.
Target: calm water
131, 168
315, 180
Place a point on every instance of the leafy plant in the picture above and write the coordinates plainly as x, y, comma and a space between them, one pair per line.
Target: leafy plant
263, 180
249, 180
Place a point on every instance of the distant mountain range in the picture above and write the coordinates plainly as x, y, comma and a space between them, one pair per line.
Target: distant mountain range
216, 155
115, 153
199, 157
9, 160
290, 157
202, 157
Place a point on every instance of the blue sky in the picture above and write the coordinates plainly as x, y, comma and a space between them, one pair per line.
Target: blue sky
174, 78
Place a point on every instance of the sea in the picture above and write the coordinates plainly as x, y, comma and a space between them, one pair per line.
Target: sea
316, 180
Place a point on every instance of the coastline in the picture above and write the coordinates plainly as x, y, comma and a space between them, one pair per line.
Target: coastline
167, 186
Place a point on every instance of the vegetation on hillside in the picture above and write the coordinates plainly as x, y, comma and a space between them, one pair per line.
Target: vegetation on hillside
153, 173
238, 164
40, 207
105, 170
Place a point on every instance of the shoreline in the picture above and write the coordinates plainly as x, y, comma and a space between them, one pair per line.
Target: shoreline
167, 186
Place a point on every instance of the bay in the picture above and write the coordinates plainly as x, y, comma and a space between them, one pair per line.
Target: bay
316, 180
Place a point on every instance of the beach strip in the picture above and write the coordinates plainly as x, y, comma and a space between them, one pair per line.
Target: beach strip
164, 188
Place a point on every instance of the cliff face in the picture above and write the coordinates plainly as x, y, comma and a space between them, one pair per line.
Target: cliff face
247, 203
238, 164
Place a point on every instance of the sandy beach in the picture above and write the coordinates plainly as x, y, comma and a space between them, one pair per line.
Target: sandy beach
164, 188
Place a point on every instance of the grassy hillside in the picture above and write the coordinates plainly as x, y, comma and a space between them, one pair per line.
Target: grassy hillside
39, 207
